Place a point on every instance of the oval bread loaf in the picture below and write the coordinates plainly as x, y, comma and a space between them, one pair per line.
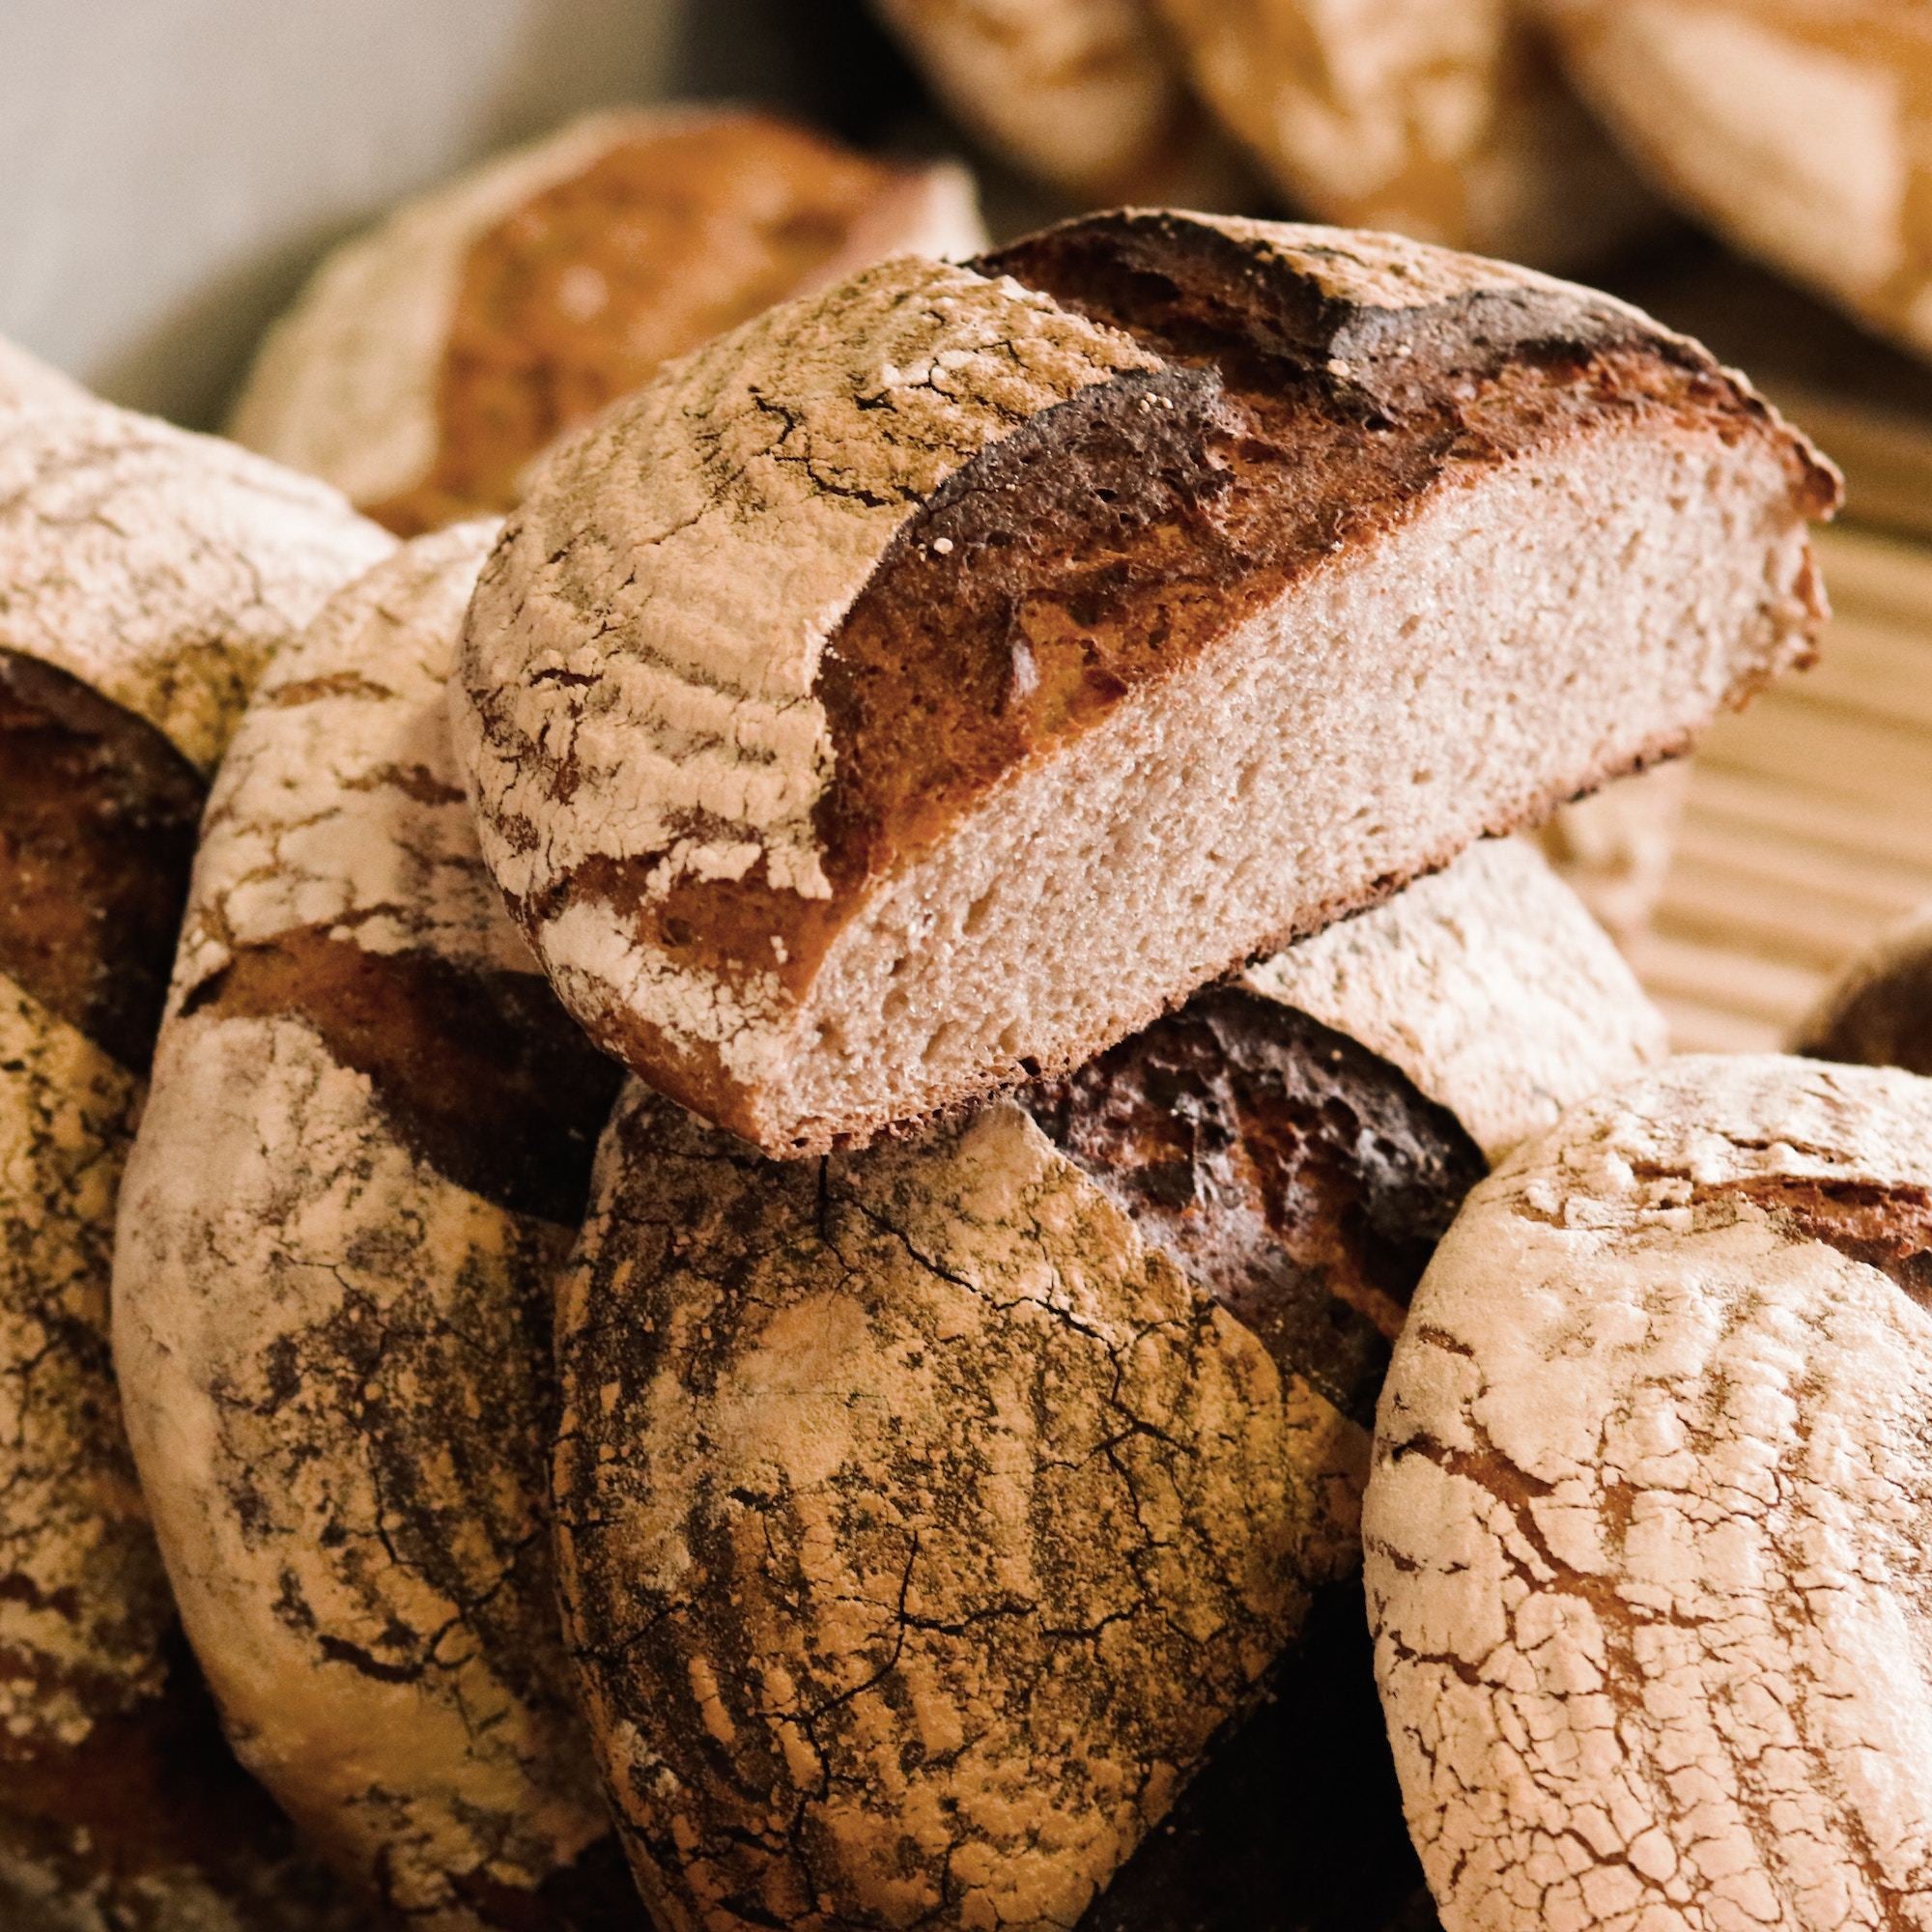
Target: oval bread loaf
1646, 1540
923, 1512
1798, 131
1083, 93
428, 361
837, 706
368, 1141
1445, 120
145, 578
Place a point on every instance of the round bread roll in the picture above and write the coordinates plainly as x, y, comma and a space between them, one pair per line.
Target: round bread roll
367, 1144
837, 705
922, 1514
428, 360
1878, 1012
145, 578
1083, 93
1441, 119
1798, 129
1646, 1536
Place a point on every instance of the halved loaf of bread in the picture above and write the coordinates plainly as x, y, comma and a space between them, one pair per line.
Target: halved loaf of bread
924, 686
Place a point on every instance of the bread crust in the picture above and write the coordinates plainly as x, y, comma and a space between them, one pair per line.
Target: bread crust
1441, 119
787, 621
908, 1395
28, 382
147, 575
1878, 1012
429, 359
1798, 132
367, 1142
1646, 1534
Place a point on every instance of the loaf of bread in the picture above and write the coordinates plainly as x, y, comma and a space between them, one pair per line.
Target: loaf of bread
1614, 848
1646, 1536
428, 361
368, 1142
1878, 1012
145, 578
1441, 119
928, 684
1085, 95
1796, 130
922, 1514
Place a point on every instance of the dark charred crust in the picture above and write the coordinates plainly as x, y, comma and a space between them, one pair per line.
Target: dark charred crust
1884, 1022
154, 1792
98, 821
1294, 1822
483, 1075
1297, 1177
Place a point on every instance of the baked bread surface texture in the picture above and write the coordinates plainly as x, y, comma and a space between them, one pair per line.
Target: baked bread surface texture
1646, 1536
926, 1514
1442, 119
367, 1143
428, 361
1202, 581
1798, 129
26, 382
145, 577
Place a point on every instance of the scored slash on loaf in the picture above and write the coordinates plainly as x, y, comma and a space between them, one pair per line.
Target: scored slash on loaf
928, 683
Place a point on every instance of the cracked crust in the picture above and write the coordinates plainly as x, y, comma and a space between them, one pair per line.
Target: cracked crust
144, 577
1441, 119
368, 1138
1878, 1012
1646, 1536
925, 1515
771, 655
1084, 94
427, 363
1798, 131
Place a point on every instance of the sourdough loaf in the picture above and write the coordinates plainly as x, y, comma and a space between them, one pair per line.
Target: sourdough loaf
367, 1143
1083, 93
145, 577
1647, 1535
922, 1514
428, 360
1798, 129
1441, 119
926, 685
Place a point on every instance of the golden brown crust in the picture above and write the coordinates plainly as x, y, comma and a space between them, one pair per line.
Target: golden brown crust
668, 238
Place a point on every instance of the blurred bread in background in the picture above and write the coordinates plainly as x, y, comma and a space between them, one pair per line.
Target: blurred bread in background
427, 361
1800, 130
1440, 119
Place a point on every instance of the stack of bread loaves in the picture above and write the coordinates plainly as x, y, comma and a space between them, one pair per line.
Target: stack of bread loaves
1008, 755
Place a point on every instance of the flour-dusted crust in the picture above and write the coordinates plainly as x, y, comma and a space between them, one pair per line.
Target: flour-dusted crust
28, 382
1441, 119
1798, 131
1878, 1012
355, 383
159, 568
864, 638
332, 1286
1084, 94
1647, 1533
145, 577
1487, 984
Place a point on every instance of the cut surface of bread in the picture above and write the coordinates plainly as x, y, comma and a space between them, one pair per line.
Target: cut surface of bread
922, 687
427, 363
